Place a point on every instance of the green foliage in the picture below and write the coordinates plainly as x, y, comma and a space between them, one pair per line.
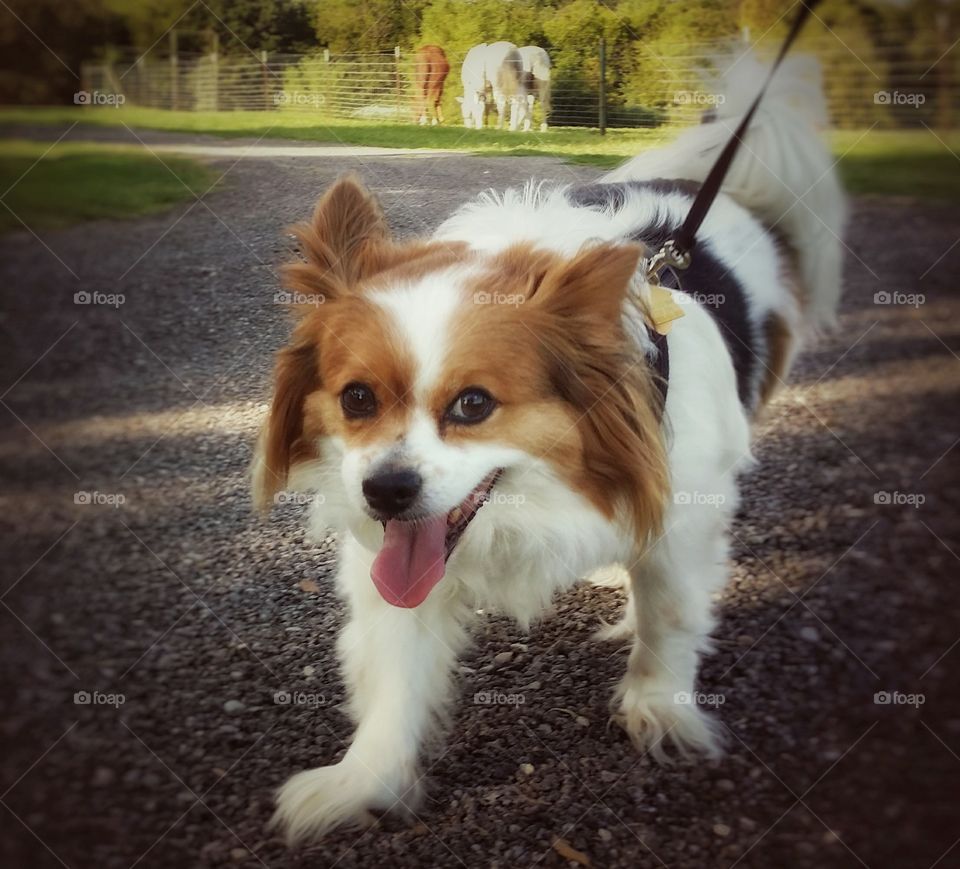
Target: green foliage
239, 25
458, 25
347, 26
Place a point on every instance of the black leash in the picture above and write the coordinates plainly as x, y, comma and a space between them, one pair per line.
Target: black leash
677, 251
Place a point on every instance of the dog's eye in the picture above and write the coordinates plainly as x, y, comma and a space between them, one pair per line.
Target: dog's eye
358, 401
471, 406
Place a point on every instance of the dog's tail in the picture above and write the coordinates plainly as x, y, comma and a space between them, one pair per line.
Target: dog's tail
783, 171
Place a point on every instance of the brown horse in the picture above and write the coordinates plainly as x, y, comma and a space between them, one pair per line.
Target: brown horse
430, 68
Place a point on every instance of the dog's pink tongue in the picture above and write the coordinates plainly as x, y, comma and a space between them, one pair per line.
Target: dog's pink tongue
411, 561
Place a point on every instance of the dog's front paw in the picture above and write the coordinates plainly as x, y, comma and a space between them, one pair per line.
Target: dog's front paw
315, 801
654, 718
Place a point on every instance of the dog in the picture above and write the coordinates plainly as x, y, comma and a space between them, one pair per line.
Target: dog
490, 417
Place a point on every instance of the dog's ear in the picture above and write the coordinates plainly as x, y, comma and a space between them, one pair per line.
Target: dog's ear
347, 243
342, 243
593, 283
282, 442
579, 306
339, 246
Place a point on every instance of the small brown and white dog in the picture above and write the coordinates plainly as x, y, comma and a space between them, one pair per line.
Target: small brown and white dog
484, 416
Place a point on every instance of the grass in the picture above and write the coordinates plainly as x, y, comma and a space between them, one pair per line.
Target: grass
918, 163
571, 143
49, 188
85, 180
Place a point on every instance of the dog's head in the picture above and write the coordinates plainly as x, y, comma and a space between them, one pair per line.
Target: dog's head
425, 379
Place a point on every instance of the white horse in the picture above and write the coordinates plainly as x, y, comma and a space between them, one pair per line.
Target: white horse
536, 74
474, 99
494, 69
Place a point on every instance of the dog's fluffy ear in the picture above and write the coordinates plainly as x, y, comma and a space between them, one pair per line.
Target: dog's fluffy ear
593, 283
340, 245
611, 391
282, 443
347, 224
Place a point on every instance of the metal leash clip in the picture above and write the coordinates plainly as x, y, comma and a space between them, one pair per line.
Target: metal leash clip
669, 256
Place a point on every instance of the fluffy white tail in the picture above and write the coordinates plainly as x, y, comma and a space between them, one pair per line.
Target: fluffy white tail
783, 172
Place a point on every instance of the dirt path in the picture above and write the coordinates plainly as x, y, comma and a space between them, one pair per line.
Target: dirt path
196, 612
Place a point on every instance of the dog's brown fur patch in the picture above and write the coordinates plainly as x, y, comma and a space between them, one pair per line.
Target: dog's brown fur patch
570, 384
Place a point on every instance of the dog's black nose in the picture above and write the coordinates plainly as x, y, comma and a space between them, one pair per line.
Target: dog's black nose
391, 492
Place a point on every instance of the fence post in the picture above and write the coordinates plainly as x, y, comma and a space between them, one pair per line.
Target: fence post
174, 72
265, 75
944, 119
396, 77
602, 113
215, 66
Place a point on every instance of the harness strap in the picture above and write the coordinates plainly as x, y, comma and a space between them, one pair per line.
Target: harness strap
661, 366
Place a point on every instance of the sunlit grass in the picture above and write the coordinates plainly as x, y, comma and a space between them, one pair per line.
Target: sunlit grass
303, 126
920, 163
52, 187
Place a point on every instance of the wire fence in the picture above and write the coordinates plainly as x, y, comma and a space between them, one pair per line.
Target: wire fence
894, 89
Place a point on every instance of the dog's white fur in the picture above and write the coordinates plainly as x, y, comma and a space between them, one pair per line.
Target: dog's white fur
398, 663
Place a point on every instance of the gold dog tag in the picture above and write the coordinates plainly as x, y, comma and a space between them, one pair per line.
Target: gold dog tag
663, 309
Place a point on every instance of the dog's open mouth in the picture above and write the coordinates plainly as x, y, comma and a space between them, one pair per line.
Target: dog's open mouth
414, 554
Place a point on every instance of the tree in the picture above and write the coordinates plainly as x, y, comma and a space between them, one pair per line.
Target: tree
458, 25
349, 26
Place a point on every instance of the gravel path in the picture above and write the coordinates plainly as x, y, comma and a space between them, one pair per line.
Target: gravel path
197, 613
